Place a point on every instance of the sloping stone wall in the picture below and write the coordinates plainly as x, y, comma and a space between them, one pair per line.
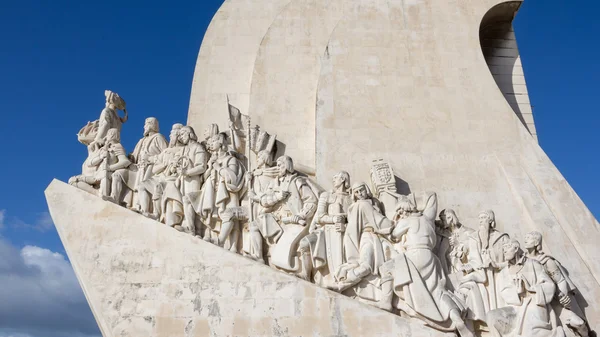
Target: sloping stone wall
143, 278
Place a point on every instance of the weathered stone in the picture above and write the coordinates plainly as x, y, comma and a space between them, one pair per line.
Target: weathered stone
113, 249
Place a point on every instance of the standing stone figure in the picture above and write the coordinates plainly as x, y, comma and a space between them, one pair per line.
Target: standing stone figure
415, 275
452, 244
150, 190
151, 145
484, 259
220, 200
322, 251
288, 206
109, 118
193, 159
258, 180
183, 177
565, 304
527, 290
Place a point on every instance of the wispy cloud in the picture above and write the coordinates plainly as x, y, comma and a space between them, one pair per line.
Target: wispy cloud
43, 222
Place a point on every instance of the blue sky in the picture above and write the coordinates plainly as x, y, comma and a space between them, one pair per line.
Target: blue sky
57, 58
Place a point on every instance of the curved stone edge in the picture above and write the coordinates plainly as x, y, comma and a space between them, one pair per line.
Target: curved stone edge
225, 63
142, 278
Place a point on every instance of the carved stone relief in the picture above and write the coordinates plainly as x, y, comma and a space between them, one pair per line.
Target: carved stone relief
368, 242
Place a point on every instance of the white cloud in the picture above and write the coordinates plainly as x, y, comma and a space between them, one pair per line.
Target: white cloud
40, 295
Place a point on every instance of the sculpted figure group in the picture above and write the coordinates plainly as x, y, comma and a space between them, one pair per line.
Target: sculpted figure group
382, 248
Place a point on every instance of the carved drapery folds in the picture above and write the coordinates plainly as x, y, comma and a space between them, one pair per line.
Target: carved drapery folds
367, 241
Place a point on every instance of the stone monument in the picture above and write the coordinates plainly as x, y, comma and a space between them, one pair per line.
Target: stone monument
366, 168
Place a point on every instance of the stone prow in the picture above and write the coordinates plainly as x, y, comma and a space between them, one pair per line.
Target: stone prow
143, 278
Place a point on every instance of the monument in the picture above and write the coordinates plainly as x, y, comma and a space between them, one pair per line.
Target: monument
348, 168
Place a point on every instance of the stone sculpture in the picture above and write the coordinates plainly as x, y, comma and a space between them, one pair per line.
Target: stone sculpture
485, 254
387, 249
220, 199
322, 250
109, 117
565, 303
289, 205
452, 238
257, 180
150, 146
150, 189
415, 275
364, 249
527, 290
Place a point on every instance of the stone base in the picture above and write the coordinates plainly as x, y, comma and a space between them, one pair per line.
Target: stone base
142, 278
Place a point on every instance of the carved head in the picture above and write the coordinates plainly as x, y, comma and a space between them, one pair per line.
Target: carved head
150, 126
113, 135
448, 218
114, 100
285, 164
210, 131
217, 142
361, 191
404, 207
340, 179
264, 158
533, 240
487, 219
511, 249
186, 134
174, 133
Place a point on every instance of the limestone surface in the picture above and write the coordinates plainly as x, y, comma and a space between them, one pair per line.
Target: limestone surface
407, 81
143, 278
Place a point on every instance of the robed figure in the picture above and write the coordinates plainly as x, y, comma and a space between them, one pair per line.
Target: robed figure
220, 199
527, 290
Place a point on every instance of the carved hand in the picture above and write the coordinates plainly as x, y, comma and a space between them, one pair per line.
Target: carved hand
282, 195
467, 268
565, 300
297, 219
339, 219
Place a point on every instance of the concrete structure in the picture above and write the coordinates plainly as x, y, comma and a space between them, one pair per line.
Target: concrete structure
143, 278
407, 81
434, 88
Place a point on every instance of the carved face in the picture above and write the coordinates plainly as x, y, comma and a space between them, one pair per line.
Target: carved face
448, 220
183, 137
281, 169
149, 126
361, 193
214, 143
262, 159
338, 180
510, 251
484, 220
173, 135
530, 241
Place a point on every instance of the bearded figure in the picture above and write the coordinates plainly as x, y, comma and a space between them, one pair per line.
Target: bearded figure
142, 158
527, 290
